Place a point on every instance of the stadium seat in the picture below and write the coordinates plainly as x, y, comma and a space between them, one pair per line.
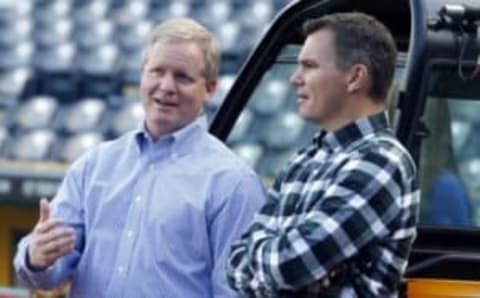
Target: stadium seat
214, 13
4, 136
94, 35
179, 8
129, 13
127, 118
242, 128
17, 56
13, 10
84, 115
283, 131
87, 12
134, 37
98, 60
53, 33
46, 11
250, 152
36, 112
13, 83
16, 32
55, 58
78, 144
270, 98
34, 145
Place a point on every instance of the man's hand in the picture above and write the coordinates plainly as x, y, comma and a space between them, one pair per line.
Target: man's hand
51, 239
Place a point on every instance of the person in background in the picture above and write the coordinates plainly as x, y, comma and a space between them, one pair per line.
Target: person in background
152, 213
340, 218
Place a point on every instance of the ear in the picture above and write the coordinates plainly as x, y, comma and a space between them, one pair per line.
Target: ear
211, 87
358, 78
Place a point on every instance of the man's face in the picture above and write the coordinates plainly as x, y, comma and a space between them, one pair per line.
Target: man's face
173, 87
321, 86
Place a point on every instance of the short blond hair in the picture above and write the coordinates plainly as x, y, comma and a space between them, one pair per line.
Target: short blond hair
189, 30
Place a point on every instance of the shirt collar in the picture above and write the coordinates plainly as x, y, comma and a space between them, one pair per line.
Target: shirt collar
181, 141
353, 132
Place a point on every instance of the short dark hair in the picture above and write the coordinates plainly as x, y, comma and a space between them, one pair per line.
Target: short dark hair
361, 39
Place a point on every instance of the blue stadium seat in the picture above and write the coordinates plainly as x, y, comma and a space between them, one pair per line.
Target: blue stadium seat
13, 83
53, 33
270, 98
228, 37
87, 12
224, 84
129, 14
34, 145
257, 13
133, 38
178, 8
16, 32
214, 13
127, 118
4, 137
13, 10
84, 115
283, 131
78, 144
55, 58
94, 35
16, 56
36, 112
129, 66
98, 69
48, 11
242, 128
250, 152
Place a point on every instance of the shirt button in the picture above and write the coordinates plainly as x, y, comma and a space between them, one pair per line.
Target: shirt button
121, 269
137, 199
129, 234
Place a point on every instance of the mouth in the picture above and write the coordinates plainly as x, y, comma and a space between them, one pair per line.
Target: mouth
164, 103
301, 97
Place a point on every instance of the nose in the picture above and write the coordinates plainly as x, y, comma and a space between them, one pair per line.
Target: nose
295, 78
167, 83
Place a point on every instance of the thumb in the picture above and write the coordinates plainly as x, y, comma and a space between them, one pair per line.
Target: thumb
44, 210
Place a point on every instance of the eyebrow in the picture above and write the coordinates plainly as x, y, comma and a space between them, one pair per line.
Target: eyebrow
307, 61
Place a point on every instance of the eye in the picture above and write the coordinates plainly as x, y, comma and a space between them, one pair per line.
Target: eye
184, 77
155, 72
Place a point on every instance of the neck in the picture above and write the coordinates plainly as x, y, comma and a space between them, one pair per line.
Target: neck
356, 108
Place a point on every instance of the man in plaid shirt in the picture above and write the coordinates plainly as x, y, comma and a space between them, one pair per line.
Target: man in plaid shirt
340, 219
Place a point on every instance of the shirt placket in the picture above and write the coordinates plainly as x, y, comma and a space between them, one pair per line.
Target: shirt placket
122, 269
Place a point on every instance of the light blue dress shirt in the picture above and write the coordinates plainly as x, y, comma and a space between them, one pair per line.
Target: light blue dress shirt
152, 219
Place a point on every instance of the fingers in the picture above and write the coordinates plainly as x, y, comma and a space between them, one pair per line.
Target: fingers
56, 234
46, 226
51, 239
53, 250
44, 210
45, 248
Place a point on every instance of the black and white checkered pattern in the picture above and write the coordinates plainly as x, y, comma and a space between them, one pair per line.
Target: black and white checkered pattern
348, 204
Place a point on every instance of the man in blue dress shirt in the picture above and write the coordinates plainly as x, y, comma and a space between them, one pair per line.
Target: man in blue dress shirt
152, 213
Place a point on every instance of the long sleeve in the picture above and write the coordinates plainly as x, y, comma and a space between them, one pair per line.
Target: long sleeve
228, 219
65, 205
365, 202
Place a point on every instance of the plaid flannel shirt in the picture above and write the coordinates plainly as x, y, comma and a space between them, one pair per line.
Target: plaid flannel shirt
346, 206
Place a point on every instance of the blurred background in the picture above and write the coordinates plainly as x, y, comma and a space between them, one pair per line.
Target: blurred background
69, 75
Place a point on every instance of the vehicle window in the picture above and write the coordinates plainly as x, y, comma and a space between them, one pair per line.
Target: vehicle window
450, 162
269, 130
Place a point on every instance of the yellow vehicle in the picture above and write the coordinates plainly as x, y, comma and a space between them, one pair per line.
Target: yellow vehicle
435, 104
